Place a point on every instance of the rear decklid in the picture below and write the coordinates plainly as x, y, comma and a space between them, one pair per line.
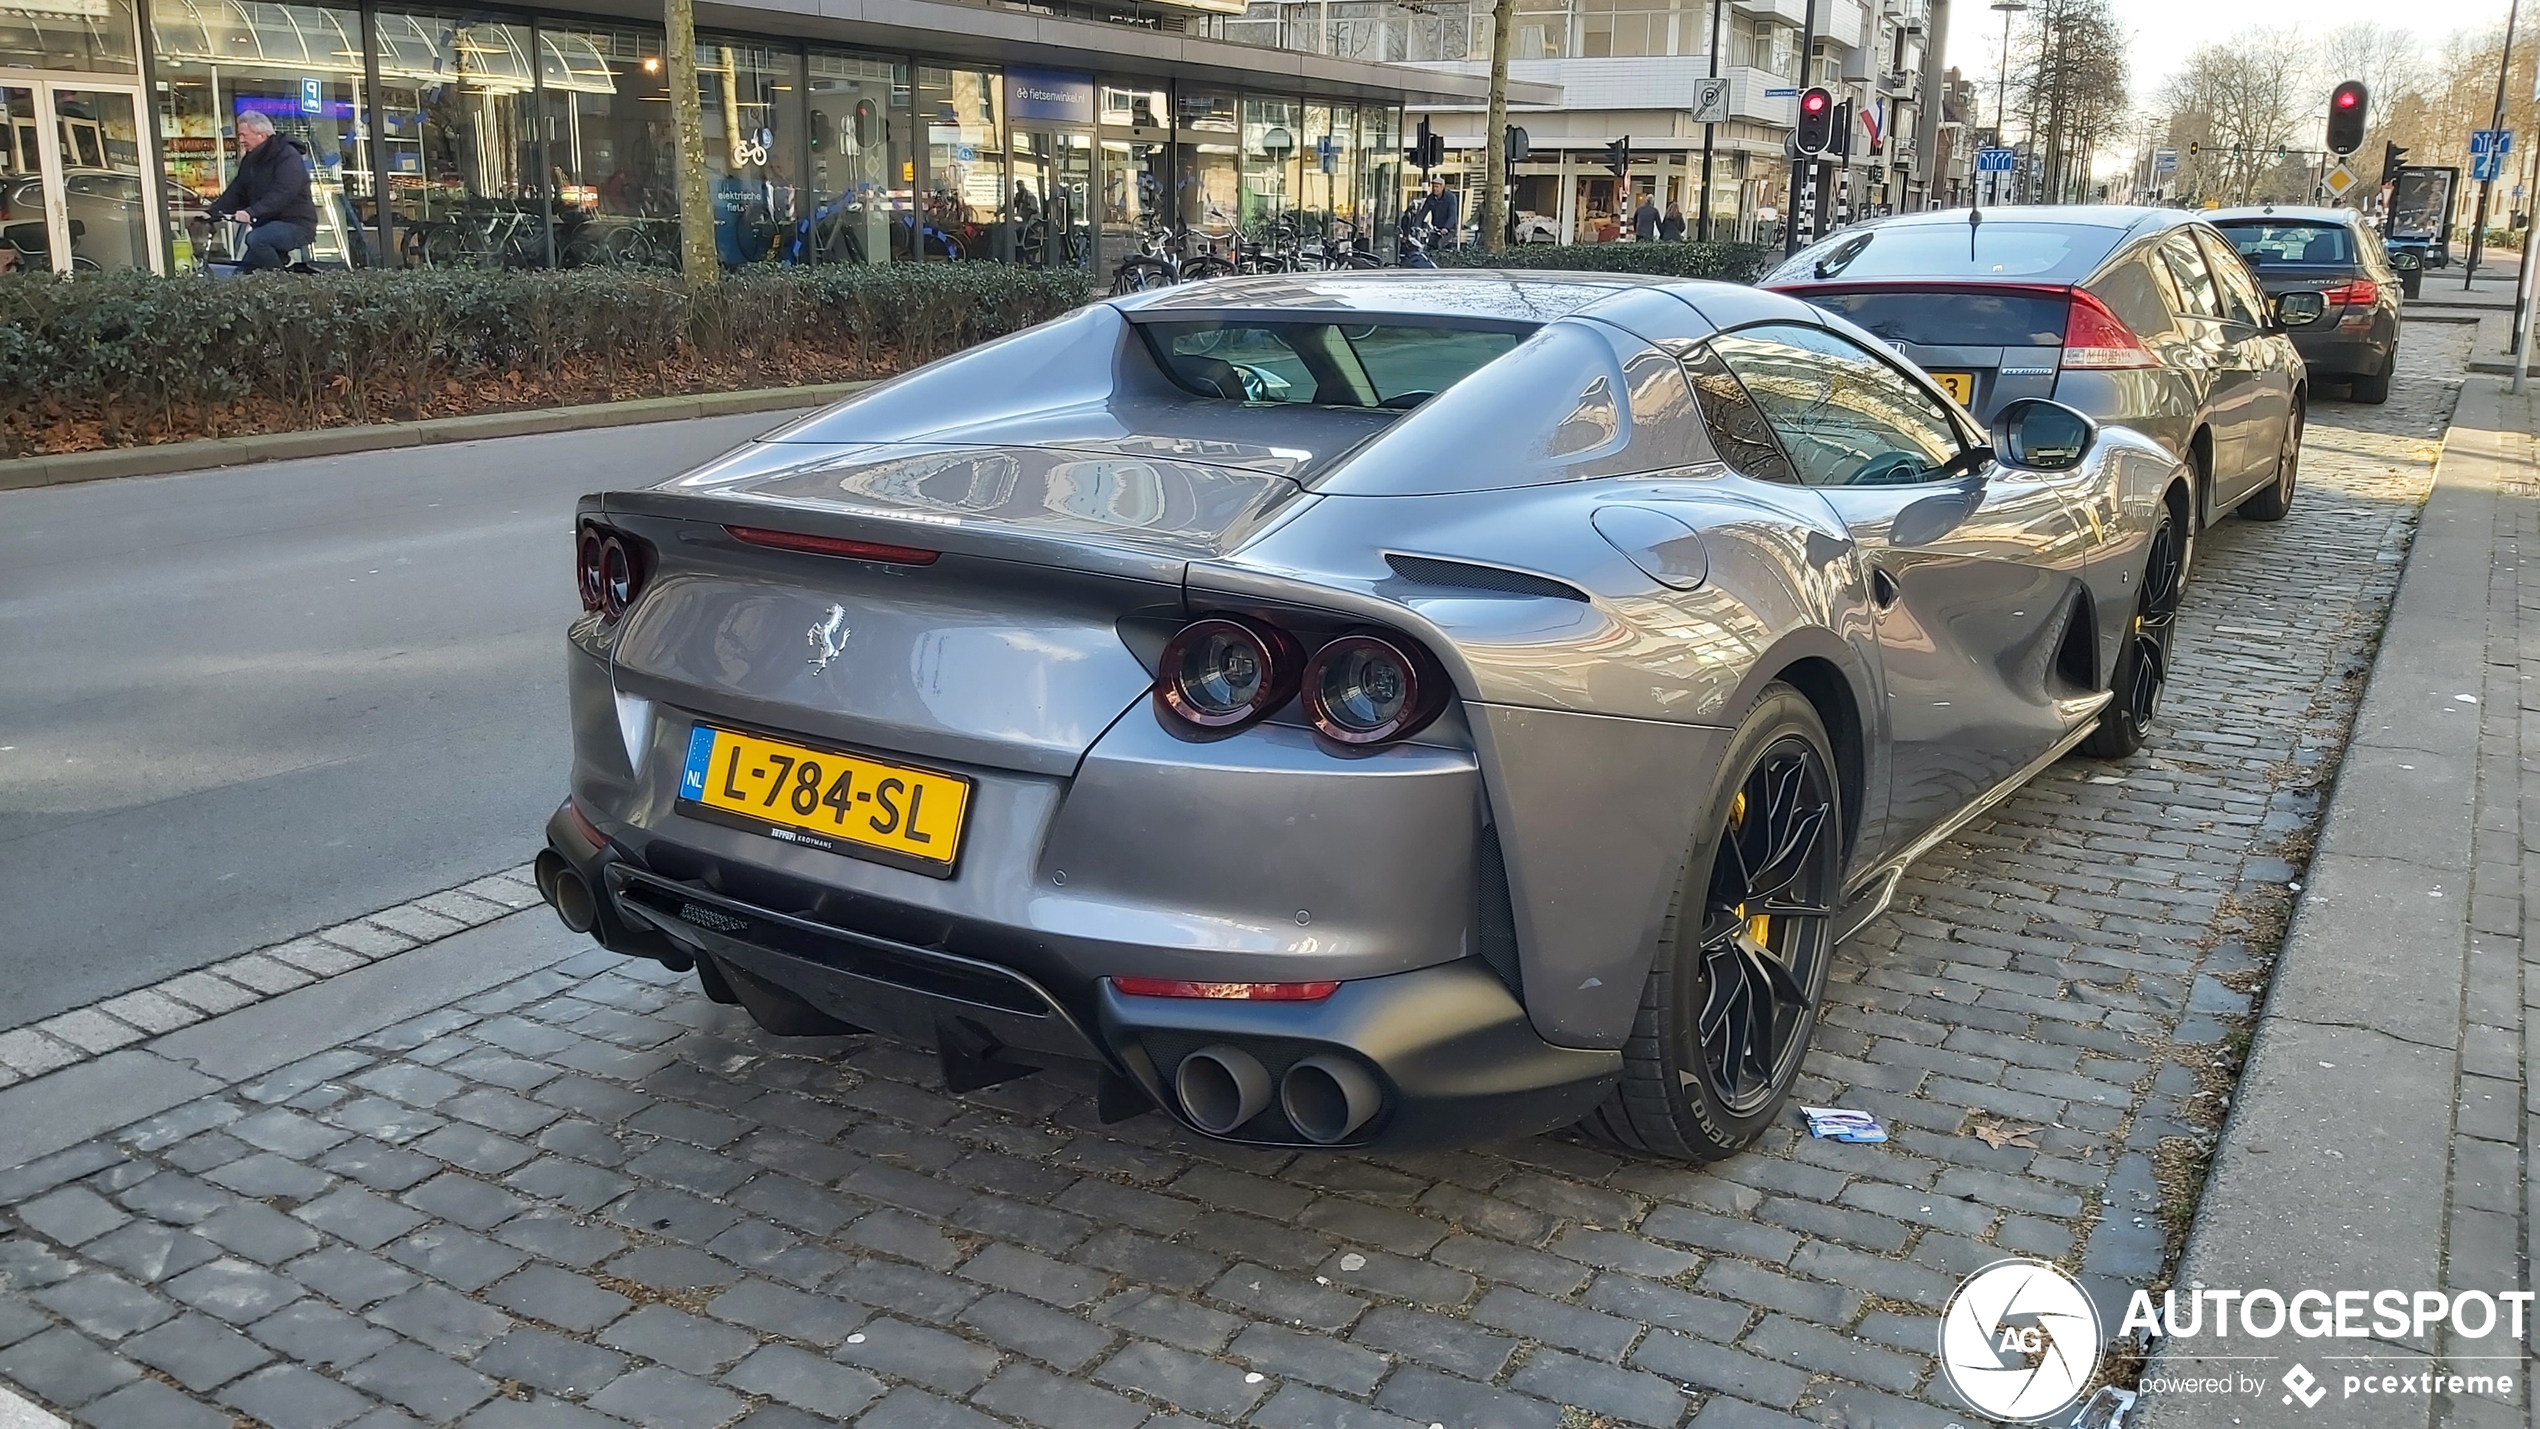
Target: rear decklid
981, 622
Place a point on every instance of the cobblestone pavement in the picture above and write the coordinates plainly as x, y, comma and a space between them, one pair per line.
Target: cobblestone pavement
590, 1196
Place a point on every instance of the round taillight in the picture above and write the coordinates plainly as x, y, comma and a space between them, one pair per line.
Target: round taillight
1366, 689
586, 567
617, 577
1221, 672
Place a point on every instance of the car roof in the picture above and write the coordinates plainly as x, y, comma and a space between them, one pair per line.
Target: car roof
2077, 215
2289, 212
1530, 296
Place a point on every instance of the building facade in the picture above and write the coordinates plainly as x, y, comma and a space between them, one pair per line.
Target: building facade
1630, 69
877, 131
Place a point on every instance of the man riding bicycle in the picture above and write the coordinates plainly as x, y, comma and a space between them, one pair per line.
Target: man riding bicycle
270, 191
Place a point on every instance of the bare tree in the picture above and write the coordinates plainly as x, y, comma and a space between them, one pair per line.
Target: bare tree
2071, 84
2242, 104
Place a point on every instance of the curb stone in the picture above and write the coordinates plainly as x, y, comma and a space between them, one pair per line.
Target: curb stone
85, 1033
169, 458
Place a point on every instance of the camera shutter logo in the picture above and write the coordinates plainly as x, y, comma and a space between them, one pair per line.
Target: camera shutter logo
2019, 1341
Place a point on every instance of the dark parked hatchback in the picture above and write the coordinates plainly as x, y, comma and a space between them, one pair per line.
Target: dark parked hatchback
2327, 251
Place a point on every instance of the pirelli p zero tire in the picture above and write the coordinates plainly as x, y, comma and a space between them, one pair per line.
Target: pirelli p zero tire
1733, 994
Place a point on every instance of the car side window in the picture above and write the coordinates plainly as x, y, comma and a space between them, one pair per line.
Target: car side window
2242, 302
2195, 281
1846, 416
1738, 430
2135, 292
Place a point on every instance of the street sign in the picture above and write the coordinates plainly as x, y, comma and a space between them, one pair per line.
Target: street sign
1993, 161
2340, 181
2165, 161
2485, 167
1785, 92
1711, 101
2484, 140
1327, 154
312, 96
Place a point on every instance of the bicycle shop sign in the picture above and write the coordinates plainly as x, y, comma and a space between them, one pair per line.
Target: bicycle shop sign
1051, 96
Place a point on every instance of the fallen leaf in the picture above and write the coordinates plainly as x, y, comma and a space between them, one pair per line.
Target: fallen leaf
1998, 1135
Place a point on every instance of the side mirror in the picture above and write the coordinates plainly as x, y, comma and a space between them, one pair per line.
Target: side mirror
2406, 260
2299, 308
2042, 435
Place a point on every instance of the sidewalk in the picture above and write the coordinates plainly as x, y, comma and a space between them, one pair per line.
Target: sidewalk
2380, 1136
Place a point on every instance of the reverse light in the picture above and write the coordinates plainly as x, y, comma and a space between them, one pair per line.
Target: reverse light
833, 546
2096, 338
1366, 689
1222, 673
1227, 991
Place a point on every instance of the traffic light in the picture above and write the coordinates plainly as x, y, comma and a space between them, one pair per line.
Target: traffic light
1618, 156
1816, 120
2194, 147
1428, 150
1518, 148
1842, 131
2393, 158
2346, 117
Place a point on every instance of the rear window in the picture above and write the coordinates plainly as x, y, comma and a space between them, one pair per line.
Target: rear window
1993, 248
1965, 318
1322, 364
2268, 244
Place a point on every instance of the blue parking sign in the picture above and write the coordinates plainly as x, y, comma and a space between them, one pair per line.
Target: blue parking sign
312, 98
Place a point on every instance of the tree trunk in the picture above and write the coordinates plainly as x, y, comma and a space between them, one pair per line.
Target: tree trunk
1495, 132
688, 121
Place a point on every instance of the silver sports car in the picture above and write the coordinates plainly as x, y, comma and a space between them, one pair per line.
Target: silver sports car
1387, 707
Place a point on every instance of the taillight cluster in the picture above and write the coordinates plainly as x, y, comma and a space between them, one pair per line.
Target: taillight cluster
1364, 687
2095, 337
2360, 293
609, 568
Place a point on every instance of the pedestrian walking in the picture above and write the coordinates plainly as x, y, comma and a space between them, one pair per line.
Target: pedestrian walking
1671, 229
1645, 221
269, 191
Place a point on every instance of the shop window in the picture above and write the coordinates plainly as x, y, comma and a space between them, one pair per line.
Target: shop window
863, 165
753, 102
966, 184
1327, 186
89, 36
1272, 144
299, 66
1379, 174
1135, 107
457, 119
612, 160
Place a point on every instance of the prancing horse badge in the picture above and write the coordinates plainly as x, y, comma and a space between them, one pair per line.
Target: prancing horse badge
829, 637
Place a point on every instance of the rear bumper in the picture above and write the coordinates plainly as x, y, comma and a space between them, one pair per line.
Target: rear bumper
1448, 1051
2334, 356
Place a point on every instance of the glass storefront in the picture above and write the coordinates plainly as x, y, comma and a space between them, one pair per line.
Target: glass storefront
461, 138
863, 162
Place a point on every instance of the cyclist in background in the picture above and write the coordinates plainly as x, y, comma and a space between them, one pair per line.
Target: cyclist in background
271, 192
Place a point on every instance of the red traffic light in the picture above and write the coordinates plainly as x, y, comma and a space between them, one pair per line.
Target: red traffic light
2348, 99
1815, 101
2346, 107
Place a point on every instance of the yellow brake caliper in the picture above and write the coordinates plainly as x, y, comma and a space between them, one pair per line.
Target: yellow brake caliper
1758, 926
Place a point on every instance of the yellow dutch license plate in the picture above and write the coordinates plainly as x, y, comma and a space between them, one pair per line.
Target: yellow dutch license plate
1960, 385
838, 803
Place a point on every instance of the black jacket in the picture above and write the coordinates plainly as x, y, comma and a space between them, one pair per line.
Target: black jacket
1437, 211
1645, 222
272, 183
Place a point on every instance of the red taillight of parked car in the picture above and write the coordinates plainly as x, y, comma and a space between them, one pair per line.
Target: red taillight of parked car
1228, 991
2097, 339
1224, 672
834, 546
2361, 293
610, 568
1366, 687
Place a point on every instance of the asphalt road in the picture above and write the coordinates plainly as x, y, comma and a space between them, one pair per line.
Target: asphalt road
239, 705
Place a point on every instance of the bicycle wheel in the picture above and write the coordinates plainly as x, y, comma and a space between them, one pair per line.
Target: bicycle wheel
443, 247
629, 248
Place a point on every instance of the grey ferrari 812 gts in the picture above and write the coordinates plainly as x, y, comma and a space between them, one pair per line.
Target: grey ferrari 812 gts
1384, 708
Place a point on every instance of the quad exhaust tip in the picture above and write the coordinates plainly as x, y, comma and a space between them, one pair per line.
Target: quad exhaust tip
565, 891
1328, 1098
1221, 1088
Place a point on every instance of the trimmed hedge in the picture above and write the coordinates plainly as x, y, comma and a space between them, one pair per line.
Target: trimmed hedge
124, 359
1727, 262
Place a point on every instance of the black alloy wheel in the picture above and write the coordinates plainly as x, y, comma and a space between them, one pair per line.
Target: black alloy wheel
1764, 925
1742, 961
2143, 665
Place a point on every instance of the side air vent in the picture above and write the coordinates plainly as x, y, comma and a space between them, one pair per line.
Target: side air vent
1459, 575
1495, 917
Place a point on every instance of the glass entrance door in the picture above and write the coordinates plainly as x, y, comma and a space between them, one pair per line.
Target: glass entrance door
1052, 205
74, 191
